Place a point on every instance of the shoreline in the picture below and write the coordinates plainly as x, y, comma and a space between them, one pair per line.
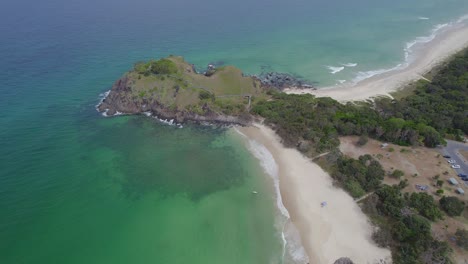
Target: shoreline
337, 230
428, 55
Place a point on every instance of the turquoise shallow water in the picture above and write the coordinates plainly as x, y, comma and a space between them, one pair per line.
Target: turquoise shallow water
79, 188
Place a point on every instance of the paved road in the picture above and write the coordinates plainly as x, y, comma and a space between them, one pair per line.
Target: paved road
452, 149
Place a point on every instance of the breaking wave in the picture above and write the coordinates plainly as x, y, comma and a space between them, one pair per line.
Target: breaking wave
334, 70
349, 64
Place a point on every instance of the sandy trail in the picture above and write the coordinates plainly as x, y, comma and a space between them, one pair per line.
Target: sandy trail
426, 57
339, 229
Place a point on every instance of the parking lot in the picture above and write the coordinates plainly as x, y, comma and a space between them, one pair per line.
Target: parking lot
452, 149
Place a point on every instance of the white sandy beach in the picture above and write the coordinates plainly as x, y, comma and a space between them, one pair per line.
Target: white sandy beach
339, 229
424, 59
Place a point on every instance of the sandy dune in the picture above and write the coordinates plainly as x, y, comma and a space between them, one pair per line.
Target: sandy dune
339, 229
426, 57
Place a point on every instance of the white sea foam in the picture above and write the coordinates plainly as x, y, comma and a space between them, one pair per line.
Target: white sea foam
341, 81
462, 18
368, 74
423, 18
102, 96
334, 70
424, 39
349, 64
289, 235
409, 49
269, 165
169, 122
295, 248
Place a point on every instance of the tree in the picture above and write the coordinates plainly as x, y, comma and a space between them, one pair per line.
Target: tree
425, 205
391, 200
452, 205
461, 237
437, 252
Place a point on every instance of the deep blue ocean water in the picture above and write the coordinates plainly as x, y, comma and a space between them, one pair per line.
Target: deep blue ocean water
79, 188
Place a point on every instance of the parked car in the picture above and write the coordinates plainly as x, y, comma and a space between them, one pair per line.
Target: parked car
451, 161
461, 175
455, 166
464, 179
447, 156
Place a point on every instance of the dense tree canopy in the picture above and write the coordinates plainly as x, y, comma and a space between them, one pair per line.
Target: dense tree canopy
359, 176
425, 205
452, 205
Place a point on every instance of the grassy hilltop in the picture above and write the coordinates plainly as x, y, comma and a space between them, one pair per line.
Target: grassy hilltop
173, 85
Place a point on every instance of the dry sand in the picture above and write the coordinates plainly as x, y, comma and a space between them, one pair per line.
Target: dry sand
426, 57
339, 229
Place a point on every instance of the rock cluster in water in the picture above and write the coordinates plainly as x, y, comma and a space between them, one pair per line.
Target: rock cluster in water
282, 80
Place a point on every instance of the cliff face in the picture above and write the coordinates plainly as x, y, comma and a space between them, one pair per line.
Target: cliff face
121, 99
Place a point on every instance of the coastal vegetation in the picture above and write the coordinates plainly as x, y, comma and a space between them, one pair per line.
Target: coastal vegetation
435, 110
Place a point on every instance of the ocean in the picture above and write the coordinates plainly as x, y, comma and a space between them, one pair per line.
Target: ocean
76, 187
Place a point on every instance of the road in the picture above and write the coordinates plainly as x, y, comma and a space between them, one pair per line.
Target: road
452, 149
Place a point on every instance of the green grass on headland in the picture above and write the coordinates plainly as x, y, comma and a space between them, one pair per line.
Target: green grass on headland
174, 84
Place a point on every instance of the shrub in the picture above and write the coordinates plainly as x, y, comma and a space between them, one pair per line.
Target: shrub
363, 139
397, 174
440, 192
163, 66
461, 237
452, 205
205, 95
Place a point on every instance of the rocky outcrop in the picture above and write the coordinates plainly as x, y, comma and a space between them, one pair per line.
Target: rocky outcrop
344, 261
281, 81
120, 100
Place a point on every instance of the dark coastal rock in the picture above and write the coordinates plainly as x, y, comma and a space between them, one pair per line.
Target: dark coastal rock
121, 101
344, 261
282, 80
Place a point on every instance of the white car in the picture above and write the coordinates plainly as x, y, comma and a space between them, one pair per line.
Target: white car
451, 161
456, 166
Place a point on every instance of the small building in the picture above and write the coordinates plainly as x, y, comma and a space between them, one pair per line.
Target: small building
453, 181
460, 191
384, 145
